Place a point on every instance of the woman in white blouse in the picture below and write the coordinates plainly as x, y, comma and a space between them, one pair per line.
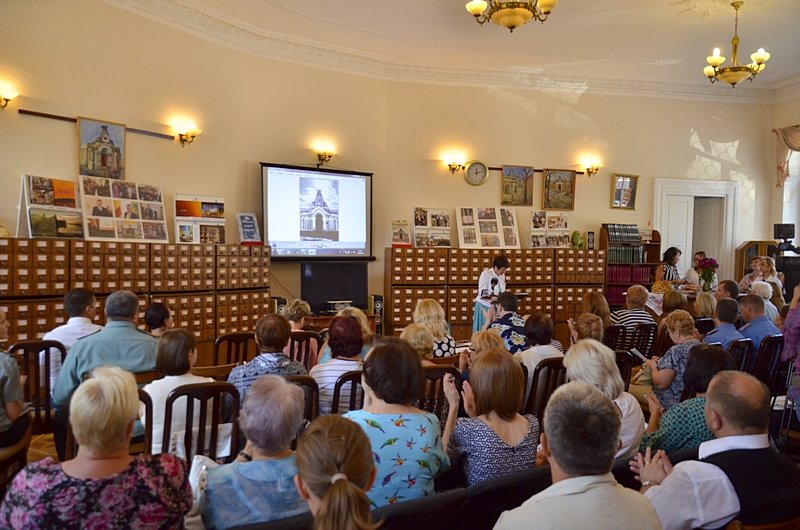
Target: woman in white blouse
491, 283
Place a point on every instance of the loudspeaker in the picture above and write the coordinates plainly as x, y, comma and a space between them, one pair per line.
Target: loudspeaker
783, 231
278, 305
375, 307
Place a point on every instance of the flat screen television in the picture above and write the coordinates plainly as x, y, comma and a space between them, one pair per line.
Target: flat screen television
316, 213
322, 281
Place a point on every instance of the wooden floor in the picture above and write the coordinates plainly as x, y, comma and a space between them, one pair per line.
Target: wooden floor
42, 446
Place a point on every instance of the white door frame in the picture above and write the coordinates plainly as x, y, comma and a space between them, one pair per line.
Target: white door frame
727, 190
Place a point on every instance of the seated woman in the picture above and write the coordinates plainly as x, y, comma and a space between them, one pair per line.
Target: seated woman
586, 326
704, 305
176, 355
594, 362
366, 334
777, 298
684, 425
667, 372
158, 319
431, 315
258, 486
692, 275
764, 290
667, 270
345, 340
495, 440
13, 423
539, 330
103, 486
406, 441
596, 304
673, 300
767, 271
421, 339
753, 275
296, 312
334, 469
480, 342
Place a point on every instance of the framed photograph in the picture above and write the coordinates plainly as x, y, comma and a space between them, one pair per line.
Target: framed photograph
558, 189
517, 186
623, 191
101, 149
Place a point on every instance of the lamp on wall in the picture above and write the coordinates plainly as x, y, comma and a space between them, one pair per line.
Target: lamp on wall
592, 165
324, 149
185, 129
735, 73
323, 157
188, 136
510, 14
7, 93
455, 160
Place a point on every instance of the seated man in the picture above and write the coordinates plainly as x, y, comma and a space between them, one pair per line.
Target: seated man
758, 325
727, 289
580, 439
509, 324
634, 314
725, 315
738, 476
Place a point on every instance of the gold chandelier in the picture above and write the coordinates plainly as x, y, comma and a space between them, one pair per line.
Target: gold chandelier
735, 73
510, 14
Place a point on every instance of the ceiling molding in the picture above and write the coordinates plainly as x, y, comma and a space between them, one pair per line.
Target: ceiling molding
787, 91
215, 27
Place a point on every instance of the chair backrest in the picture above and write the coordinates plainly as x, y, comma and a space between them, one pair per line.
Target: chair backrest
34, 358
742, 352
220, 373
450, 360
794, 524
211, 396
311, 392
434, 400
768, 362
441, 511
487, 500
549, 374
351, 379
644, 338
614, 336
144, 378
663, 342
13, 459
704, 325
300, 346
625, 365
237, 347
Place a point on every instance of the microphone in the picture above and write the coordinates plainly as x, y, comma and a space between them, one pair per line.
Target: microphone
494, 284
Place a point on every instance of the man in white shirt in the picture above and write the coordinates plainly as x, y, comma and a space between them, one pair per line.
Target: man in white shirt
738, 475
580, 439
81, 307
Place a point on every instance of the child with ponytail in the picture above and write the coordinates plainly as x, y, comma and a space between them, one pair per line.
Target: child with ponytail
334, 470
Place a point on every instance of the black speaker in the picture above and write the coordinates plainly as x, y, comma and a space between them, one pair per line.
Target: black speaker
376, 308
278, 305
783, 231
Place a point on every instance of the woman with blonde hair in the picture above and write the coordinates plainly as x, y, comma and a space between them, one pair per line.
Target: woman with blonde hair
597, 304
593, 362
334, 470
704, 305
421, 339
430, 314
296, 312
480, 342
366, 333
767, 271
667, 371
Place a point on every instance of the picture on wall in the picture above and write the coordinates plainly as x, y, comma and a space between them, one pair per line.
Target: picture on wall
558, 190
101, 149
431, 227
401, 235
623, 191
538, 219
517, 186
494, 228
112, 210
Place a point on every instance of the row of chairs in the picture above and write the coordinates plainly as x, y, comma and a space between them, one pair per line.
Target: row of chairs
240, 347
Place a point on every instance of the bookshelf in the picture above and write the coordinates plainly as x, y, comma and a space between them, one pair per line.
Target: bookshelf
630, 259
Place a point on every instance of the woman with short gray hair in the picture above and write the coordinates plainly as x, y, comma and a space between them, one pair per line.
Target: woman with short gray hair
259, 485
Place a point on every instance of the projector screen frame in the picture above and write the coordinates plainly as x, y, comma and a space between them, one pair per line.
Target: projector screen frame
369, 256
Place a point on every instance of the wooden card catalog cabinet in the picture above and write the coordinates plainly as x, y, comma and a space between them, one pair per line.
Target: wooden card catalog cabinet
404, 300
542, 262
542, 299
460, 304
417, 266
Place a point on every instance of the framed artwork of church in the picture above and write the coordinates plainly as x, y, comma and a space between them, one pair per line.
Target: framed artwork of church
101, 149
559, 189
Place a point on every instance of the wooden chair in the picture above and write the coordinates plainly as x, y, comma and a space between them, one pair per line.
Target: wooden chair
311, 391
794, 524
644, 338
33, 358
235, 347
300, 346
441, 511
356, 399
487, 500
742, 352
13, 458
549, 374
663, 343
144, 378
450, 360
704, 325
768, 365
614, 336
625, 365
219, 373
208, 394
435, 401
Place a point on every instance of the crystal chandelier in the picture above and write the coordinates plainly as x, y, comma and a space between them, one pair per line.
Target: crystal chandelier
510, 14
735, 73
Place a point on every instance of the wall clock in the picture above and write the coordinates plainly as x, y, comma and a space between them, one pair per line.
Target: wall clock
476, 173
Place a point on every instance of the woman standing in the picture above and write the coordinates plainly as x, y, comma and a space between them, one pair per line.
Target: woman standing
491, 283
667, 270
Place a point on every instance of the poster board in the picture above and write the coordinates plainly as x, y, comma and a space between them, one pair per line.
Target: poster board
49, 207
248, 229
199, 219
431, 227
549, 231
116, 210
480, 227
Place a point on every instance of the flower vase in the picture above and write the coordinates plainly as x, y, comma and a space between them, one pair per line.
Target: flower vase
706, 286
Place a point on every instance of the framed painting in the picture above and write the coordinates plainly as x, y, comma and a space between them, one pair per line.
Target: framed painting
623, 191
517, 186
559, 189
101, 149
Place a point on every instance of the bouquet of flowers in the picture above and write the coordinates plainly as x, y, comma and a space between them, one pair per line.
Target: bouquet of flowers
708, 269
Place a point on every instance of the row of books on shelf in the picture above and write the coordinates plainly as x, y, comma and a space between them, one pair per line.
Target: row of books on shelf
625, 274
626, 254
618, 233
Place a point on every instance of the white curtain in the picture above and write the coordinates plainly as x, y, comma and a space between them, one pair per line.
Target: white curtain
788, 140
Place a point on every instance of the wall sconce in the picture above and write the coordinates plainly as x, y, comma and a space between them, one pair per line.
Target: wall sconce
592, 165
455, 166
7, 93
455, 161
593, 169
323, 157
188, 136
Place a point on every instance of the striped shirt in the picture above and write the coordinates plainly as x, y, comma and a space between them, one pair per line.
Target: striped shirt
630, 318
326, 376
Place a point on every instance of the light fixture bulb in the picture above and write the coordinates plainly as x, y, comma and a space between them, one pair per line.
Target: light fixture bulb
476, 7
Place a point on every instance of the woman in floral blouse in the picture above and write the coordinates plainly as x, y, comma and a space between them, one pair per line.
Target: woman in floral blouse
102, 487
667, 371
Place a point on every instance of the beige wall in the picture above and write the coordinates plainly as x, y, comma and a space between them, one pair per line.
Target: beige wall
90, 59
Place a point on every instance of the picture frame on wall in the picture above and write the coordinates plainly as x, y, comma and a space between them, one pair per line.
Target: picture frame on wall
101, 148
558, 189
624, 189
517, 186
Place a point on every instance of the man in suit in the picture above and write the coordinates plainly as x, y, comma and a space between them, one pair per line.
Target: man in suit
100, 210
129, 213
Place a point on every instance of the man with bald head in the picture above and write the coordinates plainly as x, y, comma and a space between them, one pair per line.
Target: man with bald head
738, 474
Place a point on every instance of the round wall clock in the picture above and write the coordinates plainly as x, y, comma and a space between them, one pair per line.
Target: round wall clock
476, 173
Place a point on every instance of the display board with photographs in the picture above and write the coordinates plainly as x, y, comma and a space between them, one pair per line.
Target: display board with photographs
548, 231
199, 219
487, 227
431, 227
122, 210
401, 235
50, 208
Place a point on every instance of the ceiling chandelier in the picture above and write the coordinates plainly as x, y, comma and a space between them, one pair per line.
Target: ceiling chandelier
510, 14
735, 73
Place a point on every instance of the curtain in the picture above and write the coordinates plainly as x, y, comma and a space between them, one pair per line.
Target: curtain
788, 140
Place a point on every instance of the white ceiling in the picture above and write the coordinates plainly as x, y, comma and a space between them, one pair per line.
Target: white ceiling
622, 46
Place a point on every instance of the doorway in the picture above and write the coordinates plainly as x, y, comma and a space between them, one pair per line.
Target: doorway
707, 229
